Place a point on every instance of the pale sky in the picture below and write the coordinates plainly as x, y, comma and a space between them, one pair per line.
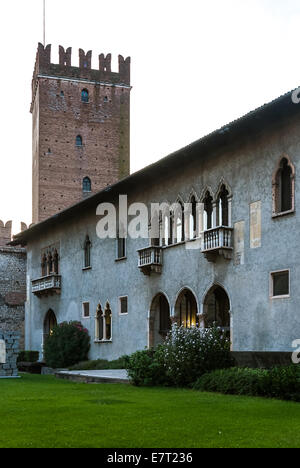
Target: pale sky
196, 65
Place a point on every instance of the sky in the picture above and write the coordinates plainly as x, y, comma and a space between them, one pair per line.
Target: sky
196, 65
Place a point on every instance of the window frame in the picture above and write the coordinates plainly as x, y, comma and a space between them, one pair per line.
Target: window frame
276, 272
83, 310
275, 212
120, 306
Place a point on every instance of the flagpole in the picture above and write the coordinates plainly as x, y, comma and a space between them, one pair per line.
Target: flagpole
44, 22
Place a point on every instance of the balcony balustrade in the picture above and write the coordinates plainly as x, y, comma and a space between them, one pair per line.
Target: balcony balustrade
46, 285
218, 241
150, 260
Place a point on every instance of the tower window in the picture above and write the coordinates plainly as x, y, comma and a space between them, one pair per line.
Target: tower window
86, 185
84, 95
79, 140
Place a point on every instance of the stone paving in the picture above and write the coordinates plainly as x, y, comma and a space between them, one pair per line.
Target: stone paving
95, 376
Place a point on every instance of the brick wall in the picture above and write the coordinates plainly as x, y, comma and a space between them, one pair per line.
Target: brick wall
59, 115
12, 290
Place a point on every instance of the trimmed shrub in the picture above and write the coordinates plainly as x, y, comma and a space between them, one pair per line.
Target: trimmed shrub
28, 356
144, 369
68, 344
278, 382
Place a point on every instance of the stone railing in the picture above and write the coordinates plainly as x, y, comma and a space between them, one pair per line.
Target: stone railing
218, 241
46, 285
150, 260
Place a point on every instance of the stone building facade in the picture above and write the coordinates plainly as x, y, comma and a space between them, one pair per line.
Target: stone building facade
12, 284
232, 259
81, 121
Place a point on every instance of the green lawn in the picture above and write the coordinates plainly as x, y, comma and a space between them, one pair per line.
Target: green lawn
41, 411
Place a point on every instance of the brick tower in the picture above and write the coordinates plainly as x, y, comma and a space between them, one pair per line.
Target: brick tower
81, 126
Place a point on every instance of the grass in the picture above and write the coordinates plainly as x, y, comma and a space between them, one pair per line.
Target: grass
41, 411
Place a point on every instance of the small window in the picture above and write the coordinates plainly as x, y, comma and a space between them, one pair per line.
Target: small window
86, 309
124, 305
86, 185
84, 95
78, 140
280, 284
121, 248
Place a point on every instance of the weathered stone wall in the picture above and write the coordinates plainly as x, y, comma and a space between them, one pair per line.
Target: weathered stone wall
9, 368
12, 290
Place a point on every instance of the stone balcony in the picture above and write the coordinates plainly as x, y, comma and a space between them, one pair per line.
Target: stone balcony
150, 260
218, 242
46, 285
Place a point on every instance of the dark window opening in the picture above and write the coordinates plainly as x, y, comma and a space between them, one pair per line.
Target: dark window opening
281, 286
86, 185
84, 95
78, 140
124, 305
208, 209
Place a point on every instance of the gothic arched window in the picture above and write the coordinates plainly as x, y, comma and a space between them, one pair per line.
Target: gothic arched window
84, 95
283, 187
208, 211
86, 185
87, 252
223, 207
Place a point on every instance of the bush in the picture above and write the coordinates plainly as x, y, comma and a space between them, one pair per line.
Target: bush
278, 382
189, 353
28, 356
144, 369
68, 344
181, 359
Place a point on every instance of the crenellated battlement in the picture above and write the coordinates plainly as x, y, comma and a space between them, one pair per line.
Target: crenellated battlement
6, 232
64, 68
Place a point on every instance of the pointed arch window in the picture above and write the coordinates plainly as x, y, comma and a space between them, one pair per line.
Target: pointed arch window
87, 252
283, 187
193, 225
103, 325
86, 185
44, 265
223, 207
208, 211
179, 222
84, 95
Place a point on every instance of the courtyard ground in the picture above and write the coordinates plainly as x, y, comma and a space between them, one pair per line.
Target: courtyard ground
41, 411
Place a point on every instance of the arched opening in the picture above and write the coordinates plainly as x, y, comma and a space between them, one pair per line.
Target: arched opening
216, 309
283, 187
84, 95
159, 321
49, 323
223, 207
186, 309
208, 211
86, 185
